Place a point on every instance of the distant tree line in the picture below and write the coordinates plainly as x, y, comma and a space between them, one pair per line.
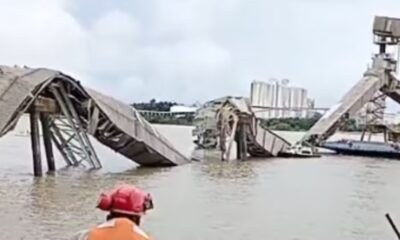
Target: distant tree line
163, 106
172, 120
351, 126
288, 124
153, 105
303, 124
279, 124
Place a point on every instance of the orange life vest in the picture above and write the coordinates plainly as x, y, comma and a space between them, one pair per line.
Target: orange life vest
117, 229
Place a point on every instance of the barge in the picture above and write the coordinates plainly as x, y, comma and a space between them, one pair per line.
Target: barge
364, 148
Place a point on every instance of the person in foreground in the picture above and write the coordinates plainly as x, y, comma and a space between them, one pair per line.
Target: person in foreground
126, 205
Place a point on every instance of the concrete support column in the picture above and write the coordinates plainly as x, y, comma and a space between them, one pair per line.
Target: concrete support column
45, 120
35, 142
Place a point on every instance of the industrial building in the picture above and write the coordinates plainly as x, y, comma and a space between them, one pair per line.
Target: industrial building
276, 99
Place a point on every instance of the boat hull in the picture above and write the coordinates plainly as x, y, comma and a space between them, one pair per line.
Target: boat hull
367, 149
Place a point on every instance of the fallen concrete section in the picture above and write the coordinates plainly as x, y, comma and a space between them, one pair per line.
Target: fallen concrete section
129, 134
260, 142
231, 119
350, 104
379, 77
80, 111
266, 143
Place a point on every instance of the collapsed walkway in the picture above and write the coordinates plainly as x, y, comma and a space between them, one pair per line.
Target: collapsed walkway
72, 111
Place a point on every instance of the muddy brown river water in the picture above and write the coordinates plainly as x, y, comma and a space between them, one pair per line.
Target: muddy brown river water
332, 197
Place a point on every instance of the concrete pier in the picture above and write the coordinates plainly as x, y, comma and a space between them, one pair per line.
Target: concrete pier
35, 143
45, 120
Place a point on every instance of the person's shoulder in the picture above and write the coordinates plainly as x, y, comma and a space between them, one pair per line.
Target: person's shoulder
81, 235
137, 230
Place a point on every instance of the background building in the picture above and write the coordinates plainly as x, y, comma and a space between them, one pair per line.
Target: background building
182, 109
285, 101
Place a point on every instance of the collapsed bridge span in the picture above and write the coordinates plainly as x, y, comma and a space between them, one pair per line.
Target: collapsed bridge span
231, 119
72, 112
379, 80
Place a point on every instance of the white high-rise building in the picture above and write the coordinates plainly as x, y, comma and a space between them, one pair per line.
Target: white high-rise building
284, 101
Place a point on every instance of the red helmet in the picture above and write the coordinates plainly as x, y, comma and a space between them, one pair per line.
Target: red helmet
126, 200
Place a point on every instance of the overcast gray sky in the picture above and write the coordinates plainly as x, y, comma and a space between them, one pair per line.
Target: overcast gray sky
188, 50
